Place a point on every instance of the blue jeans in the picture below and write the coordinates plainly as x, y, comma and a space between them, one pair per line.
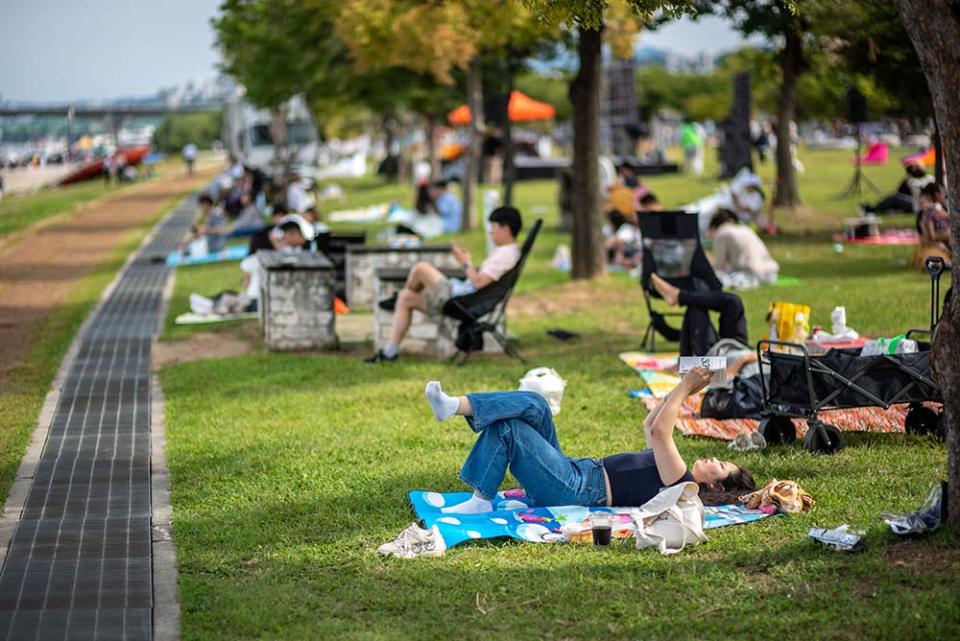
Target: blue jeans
516, 431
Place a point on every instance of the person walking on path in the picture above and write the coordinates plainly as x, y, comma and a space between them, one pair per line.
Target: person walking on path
189, 156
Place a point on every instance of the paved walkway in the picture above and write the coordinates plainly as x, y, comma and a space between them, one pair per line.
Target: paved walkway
79, 564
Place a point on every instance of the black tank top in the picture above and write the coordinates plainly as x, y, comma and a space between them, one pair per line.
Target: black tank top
634, 479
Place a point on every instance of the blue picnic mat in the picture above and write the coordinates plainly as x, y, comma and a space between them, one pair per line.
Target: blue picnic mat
515, 516
233, 252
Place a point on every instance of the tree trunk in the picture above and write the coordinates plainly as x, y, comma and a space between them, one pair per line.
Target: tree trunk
934, 29
587, 252
389, 141
509, 172
432, 156
468, 185
278, 134
937, 154
787, 194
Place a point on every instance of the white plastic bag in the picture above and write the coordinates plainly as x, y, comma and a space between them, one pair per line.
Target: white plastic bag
671, 520
197, 247
546, 382
561, 258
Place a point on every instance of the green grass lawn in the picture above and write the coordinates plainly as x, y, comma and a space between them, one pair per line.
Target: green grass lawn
290, 469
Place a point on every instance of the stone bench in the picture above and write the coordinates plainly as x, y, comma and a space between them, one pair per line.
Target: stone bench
364, 260
428, 335
296, 300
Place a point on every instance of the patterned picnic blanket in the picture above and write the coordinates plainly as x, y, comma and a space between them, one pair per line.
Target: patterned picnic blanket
886, 237
514, 516
858, 419
658, 383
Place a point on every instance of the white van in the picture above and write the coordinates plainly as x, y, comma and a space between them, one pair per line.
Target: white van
246, 135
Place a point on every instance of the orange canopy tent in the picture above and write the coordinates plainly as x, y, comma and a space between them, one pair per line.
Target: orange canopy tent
520, 108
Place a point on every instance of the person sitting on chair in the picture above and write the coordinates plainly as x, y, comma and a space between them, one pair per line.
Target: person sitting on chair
427, 289
516, 431
740, 258
697, 333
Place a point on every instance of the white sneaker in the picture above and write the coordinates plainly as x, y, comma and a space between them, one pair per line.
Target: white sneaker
415, 541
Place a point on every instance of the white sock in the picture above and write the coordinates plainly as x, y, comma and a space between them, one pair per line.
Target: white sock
474, 505
390, 350
444, 406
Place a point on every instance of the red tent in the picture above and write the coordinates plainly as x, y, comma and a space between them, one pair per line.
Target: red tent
520, 108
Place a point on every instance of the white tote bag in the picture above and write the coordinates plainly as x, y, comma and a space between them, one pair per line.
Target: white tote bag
671, 520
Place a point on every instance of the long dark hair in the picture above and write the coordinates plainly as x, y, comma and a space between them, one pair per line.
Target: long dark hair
735, 485
424, 202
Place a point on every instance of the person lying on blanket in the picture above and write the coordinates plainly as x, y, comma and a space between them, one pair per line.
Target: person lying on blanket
516, 430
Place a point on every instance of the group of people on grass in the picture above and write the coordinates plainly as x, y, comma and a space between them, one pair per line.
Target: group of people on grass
245, 203
516, 430
740, 257
919, 194
436, 211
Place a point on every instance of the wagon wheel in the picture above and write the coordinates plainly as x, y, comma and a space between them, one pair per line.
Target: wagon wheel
822, 438
777, 430
921, 420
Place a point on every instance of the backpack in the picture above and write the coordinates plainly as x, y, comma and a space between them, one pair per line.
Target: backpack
743, 400
470, 336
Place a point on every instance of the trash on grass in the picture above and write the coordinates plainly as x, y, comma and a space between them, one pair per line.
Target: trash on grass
840, 538
927, 518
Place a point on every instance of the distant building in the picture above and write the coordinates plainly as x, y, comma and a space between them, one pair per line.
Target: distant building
700, 63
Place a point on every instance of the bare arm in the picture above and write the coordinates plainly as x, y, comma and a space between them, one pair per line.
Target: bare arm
670, 465
479, 280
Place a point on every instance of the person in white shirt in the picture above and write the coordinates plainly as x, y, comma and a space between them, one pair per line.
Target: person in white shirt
428, 289
740, 257
299, 196
189, 156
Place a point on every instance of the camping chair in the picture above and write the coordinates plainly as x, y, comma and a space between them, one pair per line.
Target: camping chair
489, 302
672, 250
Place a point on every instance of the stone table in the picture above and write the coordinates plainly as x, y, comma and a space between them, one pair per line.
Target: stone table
296, 300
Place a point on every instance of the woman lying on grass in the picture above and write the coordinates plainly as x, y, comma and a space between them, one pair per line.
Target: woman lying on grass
516, 430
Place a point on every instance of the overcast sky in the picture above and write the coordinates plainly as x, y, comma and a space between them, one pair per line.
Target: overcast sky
58, 50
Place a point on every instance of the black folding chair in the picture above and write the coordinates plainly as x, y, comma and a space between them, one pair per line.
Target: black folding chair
672, 250
485, 308
334, 246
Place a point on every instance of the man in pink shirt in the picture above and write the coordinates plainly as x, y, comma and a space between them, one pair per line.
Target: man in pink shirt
427, 289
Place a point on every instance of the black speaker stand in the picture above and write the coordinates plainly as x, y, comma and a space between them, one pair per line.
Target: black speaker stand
853, 187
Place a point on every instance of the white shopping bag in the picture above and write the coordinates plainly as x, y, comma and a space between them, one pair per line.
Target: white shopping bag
546, 382
671, 520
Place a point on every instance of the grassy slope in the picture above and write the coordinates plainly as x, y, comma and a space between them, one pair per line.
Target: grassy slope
19, 212
289, 470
